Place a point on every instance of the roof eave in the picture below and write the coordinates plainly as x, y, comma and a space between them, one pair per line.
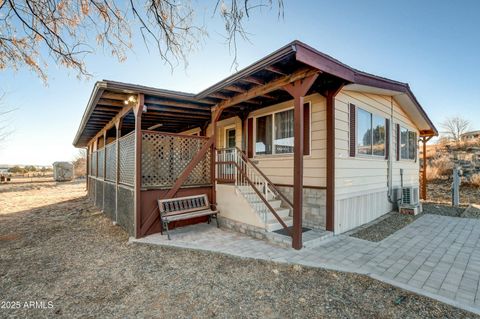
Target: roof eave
97, 91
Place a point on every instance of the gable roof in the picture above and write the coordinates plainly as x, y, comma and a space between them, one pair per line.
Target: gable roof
286, 60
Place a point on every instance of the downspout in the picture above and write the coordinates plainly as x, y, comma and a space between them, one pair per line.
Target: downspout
390, 155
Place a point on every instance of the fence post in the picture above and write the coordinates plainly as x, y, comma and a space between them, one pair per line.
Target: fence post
456, 187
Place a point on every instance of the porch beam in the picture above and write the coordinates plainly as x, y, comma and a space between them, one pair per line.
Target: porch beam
111, 123
138, 109
266, 88
298, 89
185, 105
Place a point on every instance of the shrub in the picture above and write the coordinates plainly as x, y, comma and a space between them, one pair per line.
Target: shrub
432, 173
475, 180
440, 167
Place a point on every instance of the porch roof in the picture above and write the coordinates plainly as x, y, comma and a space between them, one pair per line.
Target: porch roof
177, 111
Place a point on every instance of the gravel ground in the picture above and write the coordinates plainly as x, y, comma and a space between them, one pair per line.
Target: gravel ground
380, 230
60, 249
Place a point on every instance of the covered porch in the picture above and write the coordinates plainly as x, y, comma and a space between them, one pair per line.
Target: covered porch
146, 144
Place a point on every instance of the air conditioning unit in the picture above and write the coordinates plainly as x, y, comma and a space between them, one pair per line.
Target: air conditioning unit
410, 203
410, 196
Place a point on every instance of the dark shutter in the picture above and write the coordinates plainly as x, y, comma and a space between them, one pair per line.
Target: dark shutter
250, 138
387, 138
398, 142
353, 130
306, 129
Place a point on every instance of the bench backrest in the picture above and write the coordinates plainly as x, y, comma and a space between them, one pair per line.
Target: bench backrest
182, 205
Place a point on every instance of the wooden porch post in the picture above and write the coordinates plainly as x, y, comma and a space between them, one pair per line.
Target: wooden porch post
425, 139
137, 110
118, 133
330, 198
87, 166
104, 166
298, 90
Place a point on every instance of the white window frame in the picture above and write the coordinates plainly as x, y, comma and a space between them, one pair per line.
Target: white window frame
254, 139
414, 159
357, 154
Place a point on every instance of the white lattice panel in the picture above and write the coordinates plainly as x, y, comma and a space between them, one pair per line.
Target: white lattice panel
127, 159
165, 157
111, 162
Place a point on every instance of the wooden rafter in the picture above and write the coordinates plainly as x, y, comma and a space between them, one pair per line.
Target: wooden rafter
275, 69
252, 80
266, 88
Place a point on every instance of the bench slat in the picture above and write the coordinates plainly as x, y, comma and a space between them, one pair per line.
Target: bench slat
189, 215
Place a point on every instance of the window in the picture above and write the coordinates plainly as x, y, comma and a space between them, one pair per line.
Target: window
284, 132
408, 144
263, 144
370, 134
274, 133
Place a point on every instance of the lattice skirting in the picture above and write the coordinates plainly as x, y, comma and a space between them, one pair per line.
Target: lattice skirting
99, 194
125, 213
109, 204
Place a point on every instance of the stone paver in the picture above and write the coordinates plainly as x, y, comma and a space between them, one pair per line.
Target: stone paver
438, 256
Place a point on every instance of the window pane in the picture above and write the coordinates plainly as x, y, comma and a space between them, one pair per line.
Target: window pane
364, 132
404, 143
230, 138
263, 143
378, 135
412, 144
284, 132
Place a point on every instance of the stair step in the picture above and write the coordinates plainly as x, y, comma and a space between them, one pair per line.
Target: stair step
282, 212
275, 225
275, 203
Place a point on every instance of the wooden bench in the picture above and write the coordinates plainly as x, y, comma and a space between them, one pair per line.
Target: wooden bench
181, 208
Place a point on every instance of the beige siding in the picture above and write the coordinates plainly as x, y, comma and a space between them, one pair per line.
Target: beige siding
361, 182
279, 168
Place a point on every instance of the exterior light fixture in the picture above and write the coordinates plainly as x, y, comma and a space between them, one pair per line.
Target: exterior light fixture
131, 100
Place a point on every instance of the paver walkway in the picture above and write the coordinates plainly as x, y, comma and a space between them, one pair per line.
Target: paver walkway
437, 256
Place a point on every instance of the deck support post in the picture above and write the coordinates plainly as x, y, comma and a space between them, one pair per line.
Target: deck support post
87, 167
213, 176
298, 89
104, 167
118, 133
137, 110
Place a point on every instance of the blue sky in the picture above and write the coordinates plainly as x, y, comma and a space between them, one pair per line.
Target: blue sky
432, 45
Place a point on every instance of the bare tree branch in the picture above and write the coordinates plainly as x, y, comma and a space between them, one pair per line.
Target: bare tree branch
455, 126
65, 31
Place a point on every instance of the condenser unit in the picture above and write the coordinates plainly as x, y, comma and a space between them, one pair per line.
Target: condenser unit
410, 195
410, 203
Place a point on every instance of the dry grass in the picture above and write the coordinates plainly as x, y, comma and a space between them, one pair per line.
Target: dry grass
55, 246
475, 180
440, 167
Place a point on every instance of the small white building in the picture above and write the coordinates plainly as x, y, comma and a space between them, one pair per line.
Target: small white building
62, 171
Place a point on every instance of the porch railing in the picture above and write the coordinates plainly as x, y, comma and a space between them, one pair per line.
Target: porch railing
234, 165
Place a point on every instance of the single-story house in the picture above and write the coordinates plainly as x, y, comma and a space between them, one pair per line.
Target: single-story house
295, 139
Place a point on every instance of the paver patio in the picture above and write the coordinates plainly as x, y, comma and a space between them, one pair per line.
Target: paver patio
437, 256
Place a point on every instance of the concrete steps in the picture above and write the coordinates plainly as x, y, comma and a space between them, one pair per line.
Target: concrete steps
263, 212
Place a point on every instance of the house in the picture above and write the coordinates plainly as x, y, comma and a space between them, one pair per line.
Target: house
469, 136
295, 139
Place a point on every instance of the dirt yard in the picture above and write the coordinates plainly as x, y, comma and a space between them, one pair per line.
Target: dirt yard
57, 249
